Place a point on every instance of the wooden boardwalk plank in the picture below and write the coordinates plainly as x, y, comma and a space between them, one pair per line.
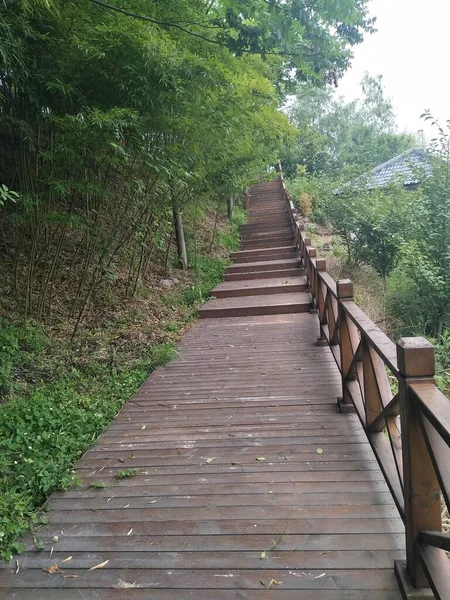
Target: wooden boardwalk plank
239, 451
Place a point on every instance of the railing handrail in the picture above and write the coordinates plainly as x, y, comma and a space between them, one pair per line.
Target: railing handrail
408, 427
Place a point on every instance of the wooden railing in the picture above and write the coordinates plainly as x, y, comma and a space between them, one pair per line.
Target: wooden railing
405, 416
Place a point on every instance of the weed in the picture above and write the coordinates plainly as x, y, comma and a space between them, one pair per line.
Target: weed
209, 273
172, 327
127, 473
97, 485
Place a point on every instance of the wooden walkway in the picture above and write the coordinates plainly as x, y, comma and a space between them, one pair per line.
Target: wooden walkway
251, 485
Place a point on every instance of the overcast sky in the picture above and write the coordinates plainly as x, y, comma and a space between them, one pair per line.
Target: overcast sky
411, 50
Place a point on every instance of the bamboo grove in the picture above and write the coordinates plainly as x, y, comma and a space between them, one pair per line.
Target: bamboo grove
116, 117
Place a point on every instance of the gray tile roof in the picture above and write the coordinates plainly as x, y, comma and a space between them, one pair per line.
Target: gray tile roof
403, 168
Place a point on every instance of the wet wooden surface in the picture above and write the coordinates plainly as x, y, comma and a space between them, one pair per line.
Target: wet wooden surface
248, 484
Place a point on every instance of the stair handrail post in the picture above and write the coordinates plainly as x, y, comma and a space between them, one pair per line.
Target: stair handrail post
421, 490
318, 300
344, 293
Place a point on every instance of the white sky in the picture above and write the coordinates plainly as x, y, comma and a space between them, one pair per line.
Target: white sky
411, 51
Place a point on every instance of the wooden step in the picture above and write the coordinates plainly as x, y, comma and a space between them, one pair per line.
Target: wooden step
271, 241
275, 244
265, 215
272, 304
264, 274
268, 255
249, 255
266, 237
268, 225
269, 265
279, 207
255, 287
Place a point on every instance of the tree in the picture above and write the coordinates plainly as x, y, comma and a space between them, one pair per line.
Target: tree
343, 139
107, 124
426, 253
313, 40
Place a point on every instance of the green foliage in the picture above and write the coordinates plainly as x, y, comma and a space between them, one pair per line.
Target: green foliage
7, 195
405, 304
209, 272
125, 120
426, 252
127, 473
372, 223
381, 218
42, 436
342, 140
443, 361
231, 240
97, 485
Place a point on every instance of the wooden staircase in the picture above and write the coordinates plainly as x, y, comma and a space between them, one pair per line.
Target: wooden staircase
266, 276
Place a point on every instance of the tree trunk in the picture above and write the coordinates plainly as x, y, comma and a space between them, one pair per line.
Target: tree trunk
230, 204
440, 323
181, 242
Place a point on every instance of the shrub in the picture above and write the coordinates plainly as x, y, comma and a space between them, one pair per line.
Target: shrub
209, 272
305, 204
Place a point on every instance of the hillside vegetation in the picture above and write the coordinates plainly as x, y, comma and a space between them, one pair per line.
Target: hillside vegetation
392, 240
128, 129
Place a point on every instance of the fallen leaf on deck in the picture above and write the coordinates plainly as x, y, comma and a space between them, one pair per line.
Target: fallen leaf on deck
319, 576
99, 566
129, 533
273, 582
67, 559
260, 458
210, 459
276, 544
319, 451
17, 567
263, 554
52, 570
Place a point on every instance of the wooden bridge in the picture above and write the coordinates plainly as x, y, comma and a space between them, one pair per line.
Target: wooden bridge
249, 483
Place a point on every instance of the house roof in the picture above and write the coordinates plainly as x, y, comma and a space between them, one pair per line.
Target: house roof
402, 168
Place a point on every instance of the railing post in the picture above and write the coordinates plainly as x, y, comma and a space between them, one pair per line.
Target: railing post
415, 358
344, 291
312, 253
319, 303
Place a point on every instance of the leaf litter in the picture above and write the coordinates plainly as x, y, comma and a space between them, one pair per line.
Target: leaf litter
99, 566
